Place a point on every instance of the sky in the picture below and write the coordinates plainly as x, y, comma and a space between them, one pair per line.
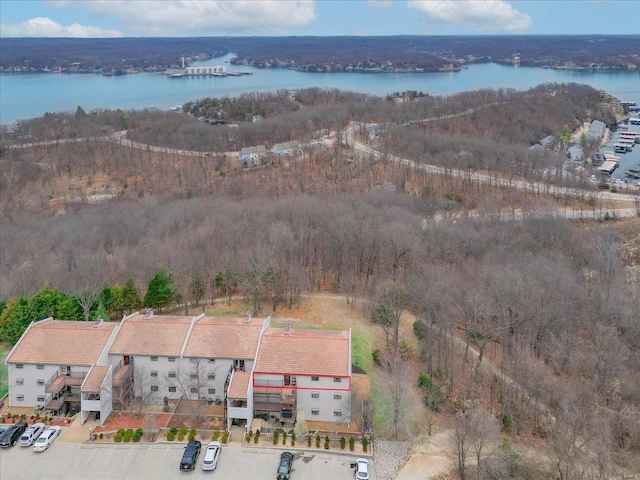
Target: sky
185, 18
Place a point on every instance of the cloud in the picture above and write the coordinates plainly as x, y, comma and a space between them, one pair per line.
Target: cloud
45, 27
485, 15
203, 17
379, 3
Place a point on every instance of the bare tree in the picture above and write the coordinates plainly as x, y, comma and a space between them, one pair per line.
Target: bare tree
460, 442
395, 403
191, 381
483, 429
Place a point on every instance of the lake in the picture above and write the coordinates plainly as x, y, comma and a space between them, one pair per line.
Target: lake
31, 95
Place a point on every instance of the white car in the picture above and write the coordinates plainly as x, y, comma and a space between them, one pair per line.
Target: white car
211, 455
31, 434
45, 440
362, 469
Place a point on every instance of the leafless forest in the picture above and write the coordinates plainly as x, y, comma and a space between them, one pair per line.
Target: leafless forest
555, 304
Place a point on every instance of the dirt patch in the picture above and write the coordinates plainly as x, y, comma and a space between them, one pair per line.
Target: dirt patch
124, 420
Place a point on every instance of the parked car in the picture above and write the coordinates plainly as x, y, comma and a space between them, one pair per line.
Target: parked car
12, 434
31, 434
190, 456
45, 440
284, 469
361, 466
211, 455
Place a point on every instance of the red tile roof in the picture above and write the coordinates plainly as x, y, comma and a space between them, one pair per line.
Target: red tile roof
239, 384
62, 343
159, 336
304, 352
95, 378
213, 337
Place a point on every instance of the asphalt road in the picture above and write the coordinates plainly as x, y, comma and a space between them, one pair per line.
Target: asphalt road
160, 461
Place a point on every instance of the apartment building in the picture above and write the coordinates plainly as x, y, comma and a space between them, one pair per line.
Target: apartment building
257, 370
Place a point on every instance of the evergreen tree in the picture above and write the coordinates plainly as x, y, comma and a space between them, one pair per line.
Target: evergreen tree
130, 296
160, 291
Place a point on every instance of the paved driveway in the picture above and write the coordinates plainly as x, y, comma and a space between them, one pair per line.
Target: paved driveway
160, 461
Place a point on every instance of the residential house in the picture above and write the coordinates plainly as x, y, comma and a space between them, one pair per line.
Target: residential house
250, 156
286, 149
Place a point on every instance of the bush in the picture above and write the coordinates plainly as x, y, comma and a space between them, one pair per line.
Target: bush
317, 441
365, 444
276, 436
171, 436
225, 437
127, 435
375, 355
101, 436
326, 443
216, 435
174, 430
284, 438
181, 436
192, 435
343, 443
137, 435
352, 444
118, 437
309, 441
257, 436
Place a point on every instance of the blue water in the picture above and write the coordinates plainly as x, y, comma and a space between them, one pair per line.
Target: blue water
31, 95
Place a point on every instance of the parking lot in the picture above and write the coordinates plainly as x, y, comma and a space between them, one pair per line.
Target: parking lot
161, 461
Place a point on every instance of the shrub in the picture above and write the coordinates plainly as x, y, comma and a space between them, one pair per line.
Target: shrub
171, 436
183, 430
249, 435
258, 433
343, 443
137, 435
101, 436
127, 435
225, 437
326, 443
284, 438
216, 435
276, 435
365, 444
375, 355
293, 439
117, 437
317, 441
181, 436
256, 437
192, 435
120, 431
352, 444
309, 441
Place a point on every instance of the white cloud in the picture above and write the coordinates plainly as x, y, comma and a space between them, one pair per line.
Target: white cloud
45, 27
203, 17
379, 3
485, 15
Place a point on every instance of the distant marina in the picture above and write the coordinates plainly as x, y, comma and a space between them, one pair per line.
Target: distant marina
200, 71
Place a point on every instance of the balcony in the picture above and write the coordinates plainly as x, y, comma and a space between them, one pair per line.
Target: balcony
62, 381
57, 401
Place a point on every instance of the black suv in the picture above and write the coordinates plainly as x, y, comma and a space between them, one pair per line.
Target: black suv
190, 456
11, 435
284, 469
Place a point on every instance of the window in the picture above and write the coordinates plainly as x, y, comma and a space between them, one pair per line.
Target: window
172, 389
40, 398
193, 360
172, 374
19, 381
211, 376
154, 373
315, 411
154, 388
337, 413
194, 390
63, 368
154, 359
337, 396
19, 365
287, 379
315, 379
40, 367
40, 381
172, 359
337, 379
20, 397
211, 360
193, 376
315, 394
212, 391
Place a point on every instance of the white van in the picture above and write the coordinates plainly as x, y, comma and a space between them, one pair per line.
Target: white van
31, 434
